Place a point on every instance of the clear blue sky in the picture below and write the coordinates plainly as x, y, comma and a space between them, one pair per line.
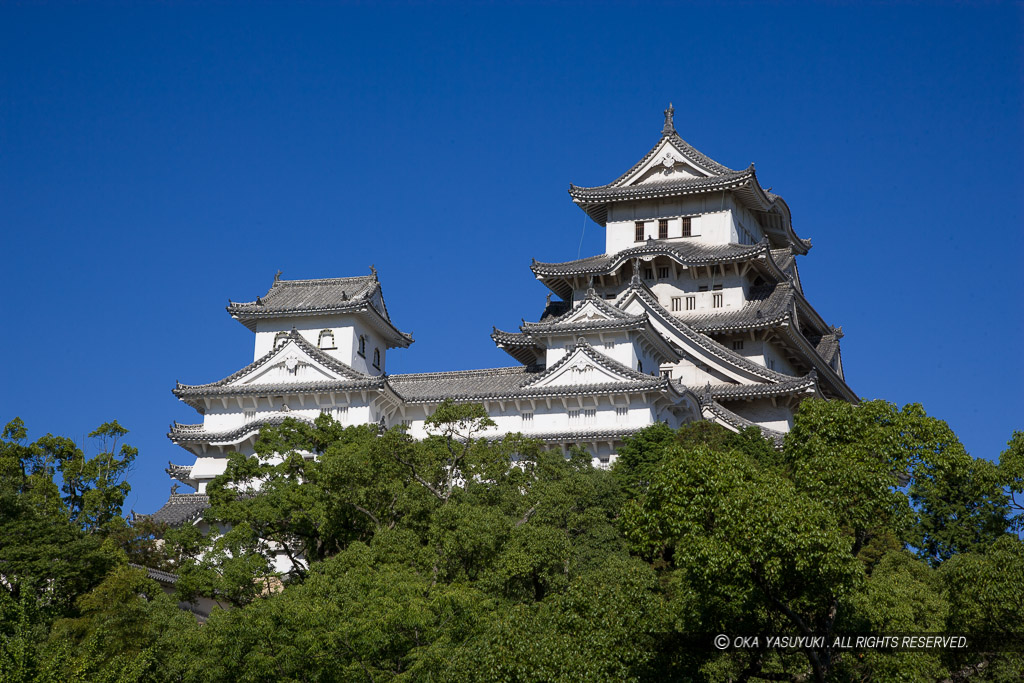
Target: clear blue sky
157, 161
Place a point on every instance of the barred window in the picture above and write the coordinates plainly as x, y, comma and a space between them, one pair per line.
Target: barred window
639, 231
716, 301
528, 418
648, 274
737, 345
677, 303
663, 229
662, 272
589, 415
686, 226
691, 303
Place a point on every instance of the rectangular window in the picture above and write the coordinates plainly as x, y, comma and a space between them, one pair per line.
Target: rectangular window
407, 423
639, 231
574, 416
589, 416
663, 229
527, 418
648, 274
691, 303
667, 374
737, 345
341, 411
610, 344
621, 413
677, 303
717, 287
662, 272
716, 300
250, 415
702, 288
686, 226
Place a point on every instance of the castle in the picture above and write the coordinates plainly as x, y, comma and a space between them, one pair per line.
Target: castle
695, 311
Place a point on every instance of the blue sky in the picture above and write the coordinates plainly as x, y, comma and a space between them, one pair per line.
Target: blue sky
157, 161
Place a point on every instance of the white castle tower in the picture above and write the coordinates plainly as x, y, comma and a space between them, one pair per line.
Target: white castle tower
695, 311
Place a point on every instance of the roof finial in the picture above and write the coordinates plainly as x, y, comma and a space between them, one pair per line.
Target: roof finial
277, 277
669, 126
373, 270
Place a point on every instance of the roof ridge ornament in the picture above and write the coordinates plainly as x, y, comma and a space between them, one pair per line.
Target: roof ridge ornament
277, 276
373, 271
669, 126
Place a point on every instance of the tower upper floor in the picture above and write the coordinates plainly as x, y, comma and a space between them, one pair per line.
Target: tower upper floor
677, 193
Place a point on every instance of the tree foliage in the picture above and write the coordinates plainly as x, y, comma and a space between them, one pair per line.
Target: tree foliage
362, 554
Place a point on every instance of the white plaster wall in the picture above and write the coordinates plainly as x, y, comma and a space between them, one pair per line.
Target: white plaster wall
777, 417
346, 328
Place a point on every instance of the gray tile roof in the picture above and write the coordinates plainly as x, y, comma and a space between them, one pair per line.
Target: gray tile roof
290, 296
731, 392
431, 386
182, 473
181, 508
653, 190
157, 575
766, 306
320, 297
828, 347
180, 433
516, 382
686, 252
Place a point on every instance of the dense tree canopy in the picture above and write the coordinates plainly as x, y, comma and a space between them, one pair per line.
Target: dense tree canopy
460, 558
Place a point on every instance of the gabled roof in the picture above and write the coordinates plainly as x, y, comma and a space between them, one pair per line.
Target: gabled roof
688, 171
231, 385
638, 290
330, 296
627, 374
592, 315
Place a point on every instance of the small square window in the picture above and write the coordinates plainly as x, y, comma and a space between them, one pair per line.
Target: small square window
528, 417
737, 345
662, 272
677, 303
716, 300
686, 226
691, 303
648, 274
663, 229
639, 231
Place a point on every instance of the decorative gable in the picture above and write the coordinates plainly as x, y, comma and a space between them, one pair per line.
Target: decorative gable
666, 164
579, 368
290, 363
